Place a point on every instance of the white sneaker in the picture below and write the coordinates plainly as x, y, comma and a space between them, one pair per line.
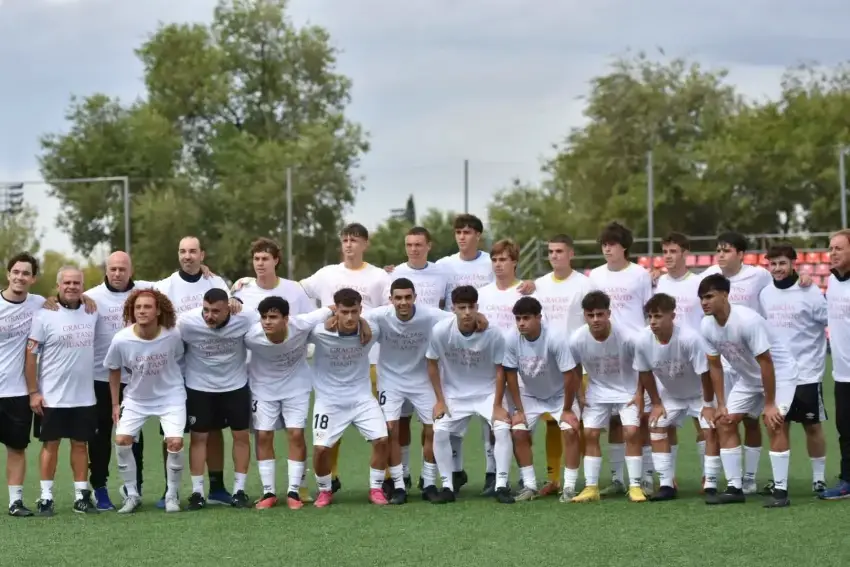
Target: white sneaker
648, 485
750, 486
567, 495
131, 504
172, 504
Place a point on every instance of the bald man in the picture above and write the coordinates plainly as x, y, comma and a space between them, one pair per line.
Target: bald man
110, 297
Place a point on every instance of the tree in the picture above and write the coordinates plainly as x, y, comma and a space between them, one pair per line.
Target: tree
386, 243
18, 233
229, 107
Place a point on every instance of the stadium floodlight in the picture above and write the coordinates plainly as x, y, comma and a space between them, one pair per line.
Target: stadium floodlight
13, 198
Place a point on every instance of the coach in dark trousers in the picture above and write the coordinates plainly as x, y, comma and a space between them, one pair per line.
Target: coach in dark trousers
838, 304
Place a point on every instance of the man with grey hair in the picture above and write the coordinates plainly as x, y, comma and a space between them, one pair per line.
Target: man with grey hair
61, 391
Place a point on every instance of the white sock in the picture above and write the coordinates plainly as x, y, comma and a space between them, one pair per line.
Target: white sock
731, 459
663, 463
397, 475
323, 483
674, 454
701, 454
592, 466
616, 459
647, 463
779, 463
488, 448
174, 473
818, 469
570, 478
752, 455
267, 475
304, 478
239, 480
712, 471
127, 468
47, 490
429, 474
528, 478
78, 489
503, 455
15, 493
376, 478
295, 472
635, 467
405, 460
443, 456
198, 484
457, 452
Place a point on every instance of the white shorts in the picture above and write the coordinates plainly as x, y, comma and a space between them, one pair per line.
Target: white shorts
678, 409
598, 415
461, 411
172, 419
330, 420
288, 413
393, 404
534, 408
751, 404
407, 410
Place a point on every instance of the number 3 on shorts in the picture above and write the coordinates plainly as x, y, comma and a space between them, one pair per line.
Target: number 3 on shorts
254, 406
382, 398
320, 421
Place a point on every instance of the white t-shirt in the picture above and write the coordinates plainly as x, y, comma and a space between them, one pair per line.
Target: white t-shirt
15, 324
155, 382
277, 371
746, 285
371, 282
678, 366
540, 363
401, 364
838, 311
477, 272
432, 283
110, 320
66, 363
684, 291
798, 316
186, 295
497, 305
341, 366
608, 364
745, 336
629, 290
215, 358
467, 363
561, 300
252, 294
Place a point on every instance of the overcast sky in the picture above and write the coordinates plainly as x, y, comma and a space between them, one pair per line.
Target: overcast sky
435, 81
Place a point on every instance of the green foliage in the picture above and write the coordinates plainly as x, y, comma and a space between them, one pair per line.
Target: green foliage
386, 243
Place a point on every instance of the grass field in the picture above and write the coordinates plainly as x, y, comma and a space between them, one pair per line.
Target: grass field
474, 531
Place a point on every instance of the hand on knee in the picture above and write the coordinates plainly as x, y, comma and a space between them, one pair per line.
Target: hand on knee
174, 445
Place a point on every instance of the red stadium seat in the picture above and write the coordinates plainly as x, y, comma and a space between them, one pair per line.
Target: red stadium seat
643, 261
751, 259
658, 262
811, 257
763, 261
690, 260
824, 257
705, 260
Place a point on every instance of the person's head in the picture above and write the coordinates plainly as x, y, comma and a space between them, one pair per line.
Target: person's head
70, 282
119, 270
597, 311
674, 247
216, 308
561, 251
354, 240
21, 272
274, 314
465, 305
265, 255
417, 244
504, 255
839, 251
190, 254
615, 240
660, 310
147, 307
713, 293
529, 315
402, 296
730, 250
468, 231
348, 308
780, 260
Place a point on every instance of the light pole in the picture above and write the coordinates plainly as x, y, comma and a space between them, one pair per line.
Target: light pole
842, 179
124, 180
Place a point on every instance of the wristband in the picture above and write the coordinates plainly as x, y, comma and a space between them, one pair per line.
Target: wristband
711, 404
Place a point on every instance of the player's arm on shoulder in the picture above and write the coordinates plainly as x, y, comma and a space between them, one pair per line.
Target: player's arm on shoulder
305, 322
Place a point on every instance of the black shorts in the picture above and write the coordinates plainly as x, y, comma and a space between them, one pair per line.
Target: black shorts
210, 411
15, 422
807, 407
77, 424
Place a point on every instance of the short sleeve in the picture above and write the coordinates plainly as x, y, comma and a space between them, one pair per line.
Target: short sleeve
433, 352
642, 358
498, 346
645, 286
114, 360
564, 356
37, 330
707, 343
575, 346
179, 348
756, 337
304, 323
699, 361
819, 307
312, 286
510, 359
